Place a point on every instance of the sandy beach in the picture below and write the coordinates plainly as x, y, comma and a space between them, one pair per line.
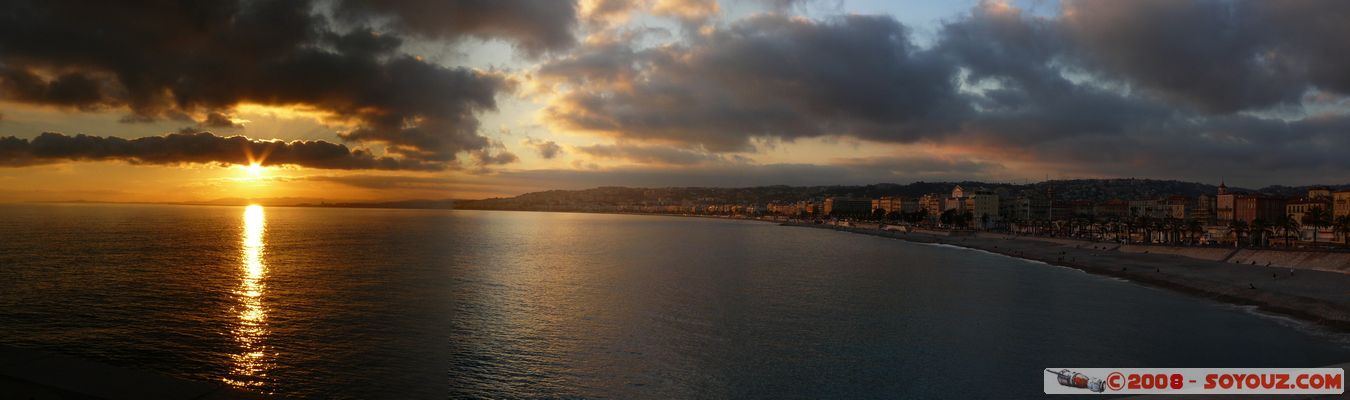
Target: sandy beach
1317, 296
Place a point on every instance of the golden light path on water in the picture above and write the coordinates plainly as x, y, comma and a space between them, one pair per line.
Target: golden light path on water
250, 365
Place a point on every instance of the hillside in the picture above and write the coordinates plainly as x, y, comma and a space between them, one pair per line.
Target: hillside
1078, 189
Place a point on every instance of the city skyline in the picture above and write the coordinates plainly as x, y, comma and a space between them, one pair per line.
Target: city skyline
347, 101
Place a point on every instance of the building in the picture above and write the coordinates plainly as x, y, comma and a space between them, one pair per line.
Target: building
1298, 208
1032, 207
957, 201
1204, 209
933, 203
841, 207
981, 204
1253, 206
1081, 208
1152, 208
1318, 197
1340, 203
1224, 205
985, 206
1116, 209
889, 204
1176, 206
910, 205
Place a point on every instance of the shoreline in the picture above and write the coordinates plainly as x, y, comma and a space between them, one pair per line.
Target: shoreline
1318, 297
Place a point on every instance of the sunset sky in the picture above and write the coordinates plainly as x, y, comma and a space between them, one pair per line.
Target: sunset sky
351, 100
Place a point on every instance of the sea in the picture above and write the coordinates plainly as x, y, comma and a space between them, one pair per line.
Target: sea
383, 303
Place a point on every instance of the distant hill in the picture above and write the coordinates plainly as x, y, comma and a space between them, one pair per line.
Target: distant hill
417, 204
1095, 190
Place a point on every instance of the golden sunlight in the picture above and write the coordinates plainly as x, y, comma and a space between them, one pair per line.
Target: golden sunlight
250, 365
254, 170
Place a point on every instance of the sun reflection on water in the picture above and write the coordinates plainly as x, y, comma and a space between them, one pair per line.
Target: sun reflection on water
250, 365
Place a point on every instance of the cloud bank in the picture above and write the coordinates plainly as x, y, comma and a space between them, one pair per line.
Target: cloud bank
201, 148
198, 60
1187, 89
1199, 88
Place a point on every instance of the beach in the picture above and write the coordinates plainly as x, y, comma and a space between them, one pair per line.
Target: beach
1321, 297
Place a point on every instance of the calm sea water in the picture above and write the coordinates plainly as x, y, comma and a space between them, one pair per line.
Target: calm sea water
350, 303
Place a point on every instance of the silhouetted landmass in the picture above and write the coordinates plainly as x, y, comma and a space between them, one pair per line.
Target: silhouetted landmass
597, 199
1077, 189
445, 204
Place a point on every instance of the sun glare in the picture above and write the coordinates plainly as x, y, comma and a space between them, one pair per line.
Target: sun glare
251, 331
255, 169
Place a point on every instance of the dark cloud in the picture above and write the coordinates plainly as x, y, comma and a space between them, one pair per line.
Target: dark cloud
649, 154
766, 76
1220, 56
488, 158
218, 120
69, 90
547, 149
1191, 90
534, 25
848, 172
495, 154
168, 60
921, 167
202, 148
735, 175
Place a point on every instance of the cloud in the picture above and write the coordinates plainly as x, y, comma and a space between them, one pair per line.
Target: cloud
386, 182
729, 175
1190, 90
199, 148
219, 121
694, 12
494, 155
547, 149
533, 25
765, 76
919, 167
649, 154
73, 89
1218, 56
848, 172
606, 12
181, 61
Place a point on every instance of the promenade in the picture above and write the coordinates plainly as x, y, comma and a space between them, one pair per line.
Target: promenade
1321, 297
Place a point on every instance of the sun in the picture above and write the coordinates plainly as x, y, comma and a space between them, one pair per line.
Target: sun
255, 169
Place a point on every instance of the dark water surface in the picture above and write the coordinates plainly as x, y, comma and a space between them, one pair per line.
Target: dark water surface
350, 303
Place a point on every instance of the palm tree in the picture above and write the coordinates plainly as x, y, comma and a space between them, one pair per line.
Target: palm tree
1286, 224
1317, 217
1174, 228
1146, 226
1259, 227
1238, 227
1195, 227
1342, 226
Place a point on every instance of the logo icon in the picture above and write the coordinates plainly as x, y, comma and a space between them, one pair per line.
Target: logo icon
1077, 380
